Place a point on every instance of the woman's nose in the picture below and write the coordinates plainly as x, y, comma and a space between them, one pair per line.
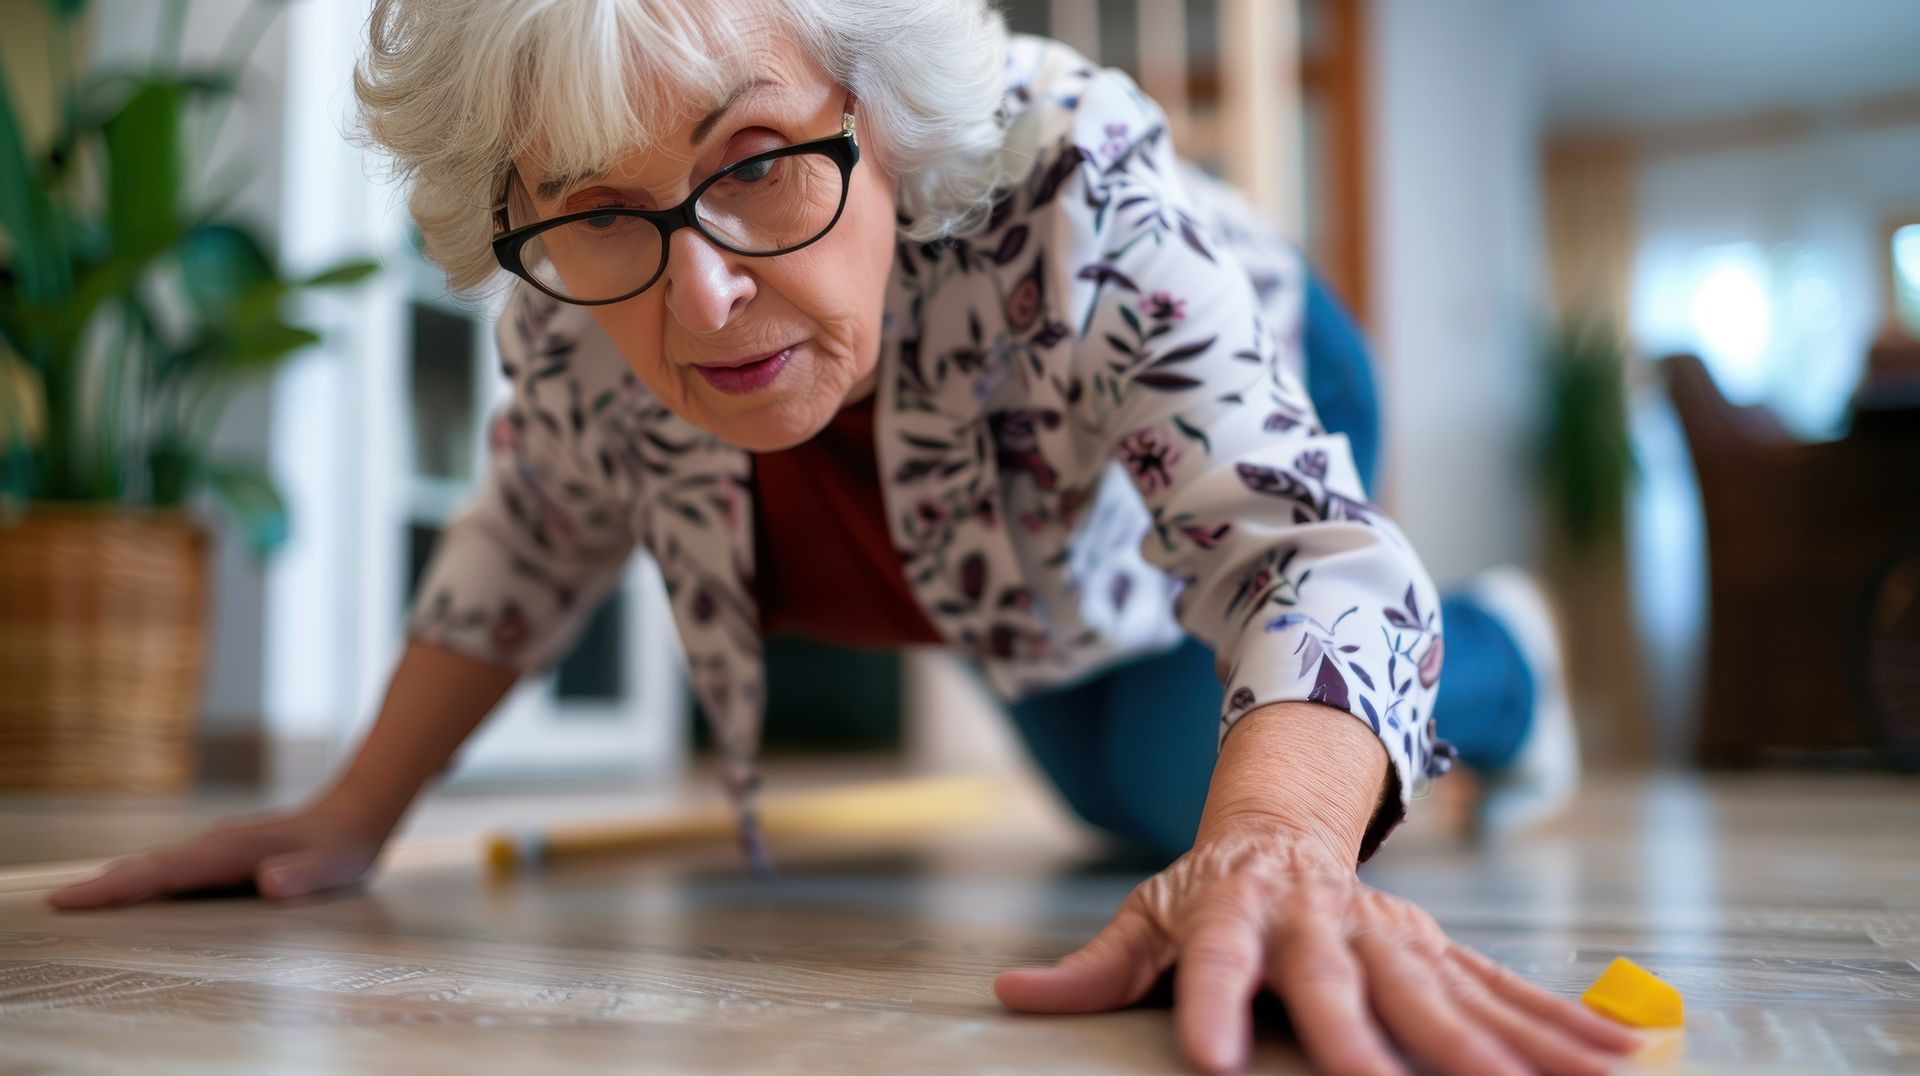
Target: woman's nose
704, 286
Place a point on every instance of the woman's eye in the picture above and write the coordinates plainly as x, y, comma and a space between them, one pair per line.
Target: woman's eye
602, 222
752, 173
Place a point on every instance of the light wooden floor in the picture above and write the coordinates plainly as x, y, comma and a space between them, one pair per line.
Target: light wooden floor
1787, 910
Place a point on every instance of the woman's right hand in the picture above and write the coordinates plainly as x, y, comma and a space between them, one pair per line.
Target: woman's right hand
434, 700
321, 846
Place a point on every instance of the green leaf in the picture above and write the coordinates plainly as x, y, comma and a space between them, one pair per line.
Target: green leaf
144, 169
172, 468
58, 327
221, 264
345, 273
13, 334
213, 82
246, 493
267, 343
26, 214
175, 364
65, 9
237, 349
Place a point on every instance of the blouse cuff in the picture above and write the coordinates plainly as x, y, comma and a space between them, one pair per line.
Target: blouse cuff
1286, 659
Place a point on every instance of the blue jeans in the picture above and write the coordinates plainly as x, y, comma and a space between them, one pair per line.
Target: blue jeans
1132, 749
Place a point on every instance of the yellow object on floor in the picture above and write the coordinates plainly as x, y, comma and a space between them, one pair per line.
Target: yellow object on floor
1630, 994
868, 809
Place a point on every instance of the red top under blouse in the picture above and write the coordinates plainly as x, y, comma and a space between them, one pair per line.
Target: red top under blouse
826, 566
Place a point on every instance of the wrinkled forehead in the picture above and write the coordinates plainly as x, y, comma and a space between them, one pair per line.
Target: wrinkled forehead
598, 91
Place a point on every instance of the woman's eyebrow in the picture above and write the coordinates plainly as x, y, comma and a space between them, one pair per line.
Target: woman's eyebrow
554, 186
705, 127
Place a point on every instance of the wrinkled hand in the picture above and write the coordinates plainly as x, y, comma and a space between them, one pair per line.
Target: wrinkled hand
1253, 905
285, 855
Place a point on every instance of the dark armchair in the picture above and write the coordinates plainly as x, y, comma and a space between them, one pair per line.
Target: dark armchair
1812, 616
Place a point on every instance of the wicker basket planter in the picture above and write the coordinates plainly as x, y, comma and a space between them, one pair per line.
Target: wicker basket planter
102, 649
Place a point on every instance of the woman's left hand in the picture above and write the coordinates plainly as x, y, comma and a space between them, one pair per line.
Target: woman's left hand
1267, 896
1258, 903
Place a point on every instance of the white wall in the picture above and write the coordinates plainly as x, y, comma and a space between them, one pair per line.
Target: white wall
1460, 272
336, 405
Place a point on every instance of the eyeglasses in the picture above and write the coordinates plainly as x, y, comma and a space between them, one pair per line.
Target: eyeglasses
770, 203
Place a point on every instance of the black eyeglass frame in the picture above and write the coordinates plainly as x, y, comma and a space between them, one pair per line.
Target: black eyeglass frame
842, 148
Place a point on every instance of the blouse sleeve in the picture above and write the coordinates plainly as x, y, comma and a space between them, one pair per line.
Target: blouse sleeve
1302, 588
515, 576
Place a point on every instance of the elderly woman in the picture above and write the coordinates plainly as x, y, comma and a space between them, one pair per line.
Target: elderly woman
872, 323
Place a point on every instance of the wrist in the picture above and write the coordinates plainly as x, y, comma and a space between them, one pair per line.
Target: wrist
1301, 768
1304, 843
358, 809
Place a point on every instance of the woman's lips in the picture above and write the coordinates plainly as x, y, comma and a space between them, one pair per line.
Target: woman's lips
750, 376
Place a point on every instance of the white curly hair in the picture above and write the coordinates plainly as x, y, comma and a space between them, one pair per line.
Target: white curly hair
454, 90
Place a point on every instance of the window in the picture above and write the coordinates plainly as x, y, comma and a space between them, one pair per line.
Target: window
442, 376
1906, 278
1731, 318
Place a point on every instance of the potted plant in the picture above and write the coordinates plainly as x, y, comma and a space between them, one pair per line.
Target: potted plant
1586, 463
131, 309
1586, 470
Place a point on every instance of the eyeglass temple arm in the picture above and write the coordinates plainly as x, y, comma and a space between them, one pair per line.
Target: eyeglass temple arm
500, 205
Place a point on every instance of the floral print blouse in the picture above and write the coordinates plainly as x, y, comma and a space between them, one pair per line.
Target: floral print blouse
1093, 439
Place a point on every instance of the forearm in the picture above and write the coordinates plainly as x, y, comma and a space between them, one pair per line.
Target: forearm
434, 701
1301, 765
